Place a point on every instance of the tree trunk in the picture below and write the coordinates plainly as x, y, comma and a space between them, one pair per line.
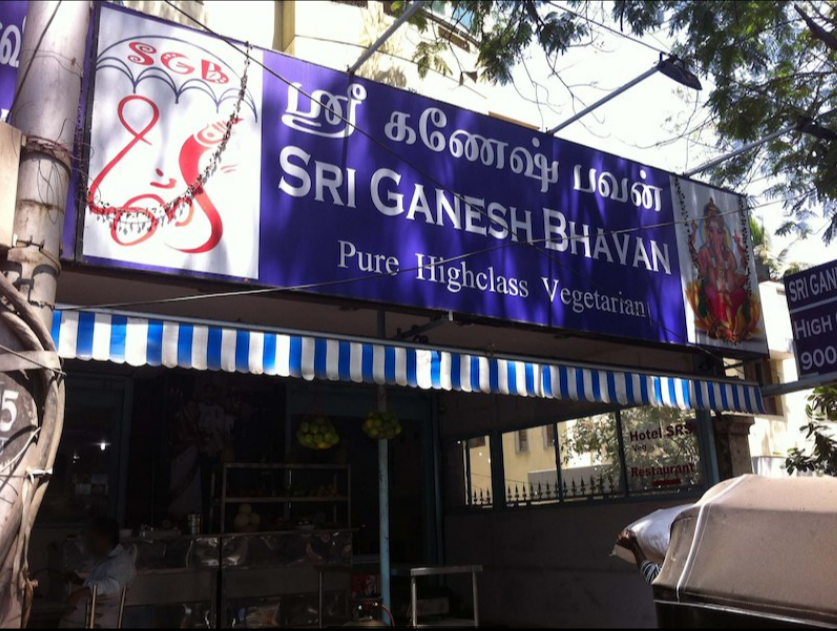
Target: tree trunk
45, 109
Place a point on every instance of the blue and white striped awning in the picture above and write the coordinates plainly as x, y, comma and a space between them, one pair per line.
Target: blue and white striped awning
139, 340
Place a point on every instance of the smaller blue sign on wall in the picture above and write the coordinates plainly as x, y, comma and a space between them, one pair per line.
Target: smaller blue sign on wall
812, 301
12, 23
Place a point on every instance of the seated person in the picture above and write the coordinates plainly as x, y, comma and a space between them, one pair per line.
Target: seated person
111, 570
649, 570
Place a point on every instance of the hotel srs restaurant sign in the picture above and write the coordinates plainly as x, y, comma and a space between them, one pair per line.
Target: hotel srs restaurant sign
303, 177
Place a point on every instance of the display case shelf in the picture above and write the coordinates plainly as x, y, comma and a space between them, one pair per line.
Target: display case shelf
285, 500
294, 477
289, 467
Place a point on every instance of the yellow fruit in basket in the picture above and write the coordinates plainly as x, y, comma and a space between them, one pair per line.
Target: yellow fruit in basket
245, 509
241, 522
255, 519
317, 433
382, 425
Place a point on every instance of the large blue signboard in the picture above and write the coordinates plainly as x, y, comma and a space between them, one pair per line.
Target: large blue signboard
12, 23
812, 302
337, 185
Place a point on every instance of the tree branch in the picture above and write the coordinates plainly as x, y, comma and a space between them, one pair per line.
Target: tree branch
826, 37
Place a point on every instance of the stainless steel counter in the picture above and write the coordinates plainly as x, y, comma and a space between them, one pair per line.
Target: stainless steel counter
212, 578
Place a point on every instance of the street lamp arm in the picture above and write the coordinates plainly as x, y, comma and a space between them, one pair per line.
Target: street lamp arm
365, 55
604, 100
672, 67
810, 126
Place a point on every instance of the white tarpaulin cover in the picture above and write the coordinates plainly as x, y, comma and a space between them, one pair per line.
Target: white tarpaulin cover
759, 545
653, 533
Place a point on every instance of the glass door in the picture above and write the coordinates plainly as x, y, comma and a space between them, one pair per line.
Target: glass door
87, 479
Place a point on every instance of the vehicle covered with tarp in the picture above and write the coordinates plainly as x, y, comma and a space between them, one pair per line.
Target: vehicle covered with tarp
753, 552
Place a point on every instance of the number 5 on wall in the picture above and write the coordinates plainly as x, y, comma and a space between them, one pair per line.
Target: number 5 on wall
7, 404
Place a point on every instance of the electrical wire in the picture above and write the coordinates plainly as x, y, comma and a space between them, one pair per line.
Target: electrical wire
12, 462
290, 289
11, 351
386, 148
664, 52
590, 20
350, 123
338, 115
372, 275
396, 154
386, 53
778, 104
363, 132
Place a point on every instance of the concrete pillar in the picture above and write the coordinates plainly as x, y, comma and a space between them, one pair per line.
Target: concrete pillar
732, 445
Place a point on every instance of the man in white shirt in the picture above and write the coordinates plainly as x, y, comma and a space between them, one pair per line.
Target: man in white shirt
110, 572
215, 426
213, 422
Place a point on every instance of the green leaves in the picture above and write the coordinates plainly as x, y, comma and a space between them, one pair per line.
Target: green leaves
504, 31
768, 71
822, 459
772, 261
556, 32
428, 56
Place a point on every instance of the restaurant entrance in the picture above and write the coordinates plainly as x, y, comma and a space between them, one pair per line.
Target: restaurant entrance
154, 447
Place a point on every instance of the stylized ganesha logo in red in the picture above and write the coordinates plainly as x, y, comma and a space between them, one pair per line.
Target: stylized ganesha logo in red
191, 153
165, 119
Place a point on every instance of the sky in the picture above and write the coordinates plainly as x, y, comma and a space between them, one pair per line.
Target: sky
637, 123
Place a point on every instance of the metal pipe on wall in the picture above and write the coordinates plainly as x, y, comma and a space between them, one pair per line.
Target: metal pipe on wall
383, 488
365, 55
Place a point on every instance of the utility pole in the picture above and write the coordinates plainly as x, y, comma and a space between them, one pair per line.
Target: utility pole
45, 109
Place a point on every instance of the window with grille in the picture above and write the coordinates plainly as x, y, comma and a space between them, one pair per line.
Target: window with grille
473, 458
632, 452
590, 458
530, 469
459, 17
522, 442
548, 436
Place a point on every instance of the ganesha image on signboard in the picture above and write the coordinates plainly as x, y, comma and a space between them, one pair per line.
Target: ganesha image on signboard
720, 296
174, 167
